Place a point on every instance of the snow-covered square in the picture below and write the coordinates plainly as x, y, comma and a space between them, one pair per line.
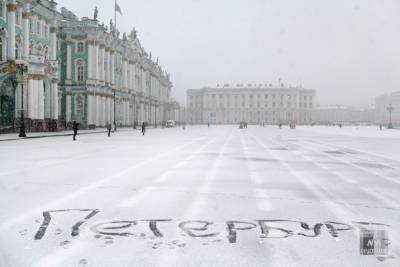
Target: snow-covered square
218, 196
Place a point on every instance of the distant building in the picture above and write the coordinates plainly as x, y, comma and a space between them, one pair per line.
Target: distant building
258, 104
381, 105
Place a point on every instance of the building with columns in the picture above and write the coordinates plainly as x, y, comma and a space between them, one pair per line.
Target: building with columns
100, 69
252, 104
76, 70
27, 32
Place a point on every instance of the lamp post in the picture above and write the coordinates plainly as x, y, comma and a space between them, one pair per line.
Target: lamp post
22, 68
390, 108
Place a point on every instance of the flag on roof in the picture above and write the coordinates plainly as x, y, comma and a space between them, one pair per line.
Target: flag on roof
117, 8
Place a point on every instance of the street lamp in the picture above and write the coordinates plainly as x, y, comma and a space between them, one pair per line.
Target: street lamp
390, 108
22, 68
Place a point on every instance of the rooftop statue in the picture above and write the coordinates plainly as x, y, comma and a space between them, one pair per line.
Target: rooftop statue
96, 13
112, 30
133, 35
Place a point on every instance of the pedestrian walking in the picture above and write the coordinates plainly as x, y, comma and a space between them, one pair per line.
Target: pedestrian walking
109, 129
75, 127
143, 128
380, 127
208, 124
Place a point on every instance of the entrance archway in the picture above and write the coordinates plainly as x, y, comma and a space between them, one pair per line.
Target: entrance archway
7, 103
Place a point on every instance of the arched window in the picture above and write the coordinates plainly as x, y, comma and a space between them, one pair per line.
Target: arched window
79, 70
80, 47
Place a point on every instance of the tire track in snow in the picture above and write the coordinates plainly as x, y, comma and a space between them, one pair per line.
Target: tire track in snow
38, 210
365, 170
320, 192
196, 206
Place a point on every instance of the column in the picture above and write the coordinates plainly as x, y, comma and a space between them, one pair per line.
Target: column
96, 62
107, 67
112, 110
69, 63
68, 107
103, 110
11, 9
89, 109
90, 59
112, 67
101, 52
30, 99
54, 100
25, 29
53, 40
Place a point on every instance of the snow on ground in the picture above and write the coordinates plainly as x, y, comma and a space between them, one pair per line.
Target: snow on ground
216, 196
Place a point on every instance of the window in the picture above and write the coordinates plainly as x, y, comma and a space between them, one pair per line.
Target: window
1, 9
46, 31
30, 26
17, 18
79, 70
1, 44
80, 47
38, 28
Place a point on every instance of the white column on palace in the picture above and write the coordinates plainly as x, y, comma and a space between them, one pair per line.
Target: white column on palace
103, 110
69, 63
25, 31
89, 108
107, 66
96, 62
113, 67
123, 84
90, 59
11, 9
98, 110
68, 107
102, 54
31, 98
54, 100
53, 39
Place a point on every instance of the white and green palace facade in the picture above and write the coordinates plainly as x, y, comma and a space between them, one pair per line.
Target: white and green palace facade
27, 32
78, 70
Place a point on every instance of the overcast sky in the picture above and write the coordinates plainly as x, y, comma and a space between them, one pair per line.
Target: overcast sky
348, 50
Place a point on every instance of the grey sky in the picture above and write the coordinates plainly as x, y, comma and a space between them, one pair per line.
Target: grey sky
348, 50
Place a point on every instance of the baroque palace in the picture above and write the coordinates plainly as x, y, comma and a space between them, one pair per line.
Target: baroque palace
75, 70
254, 103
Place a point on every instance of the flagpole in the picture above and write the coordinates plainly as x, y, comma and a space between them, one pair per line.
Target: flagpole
115, 14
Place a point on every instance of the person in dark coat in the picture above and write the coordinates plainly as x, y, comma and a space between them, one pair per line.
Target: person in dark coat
109, 129
143, 128
75, 127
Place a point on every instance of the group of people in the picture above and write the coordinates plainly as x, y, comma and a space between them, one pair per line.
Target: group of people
75, 128
243, 125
